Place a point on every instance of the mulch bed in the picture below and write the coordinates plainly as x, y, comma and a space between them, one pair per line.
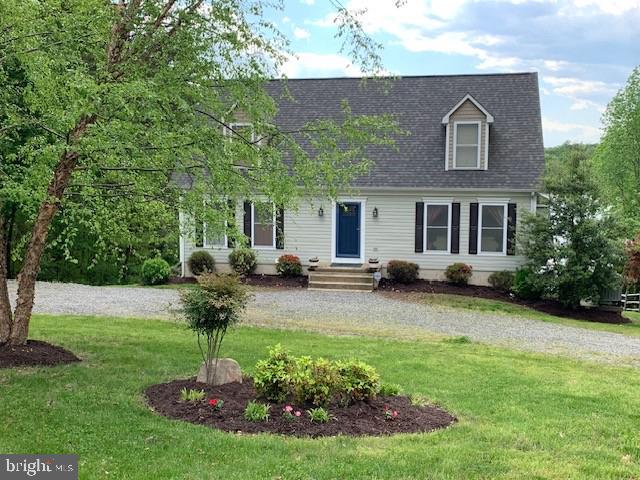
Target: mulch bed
361, 418
274, 281
34, 353
550, 307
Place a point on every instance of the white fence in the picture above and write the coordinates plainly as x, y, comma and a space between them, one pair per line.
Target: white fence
631, 301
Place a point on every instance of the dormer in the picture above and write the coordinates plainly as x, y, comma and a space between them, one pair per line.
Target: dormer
467, 136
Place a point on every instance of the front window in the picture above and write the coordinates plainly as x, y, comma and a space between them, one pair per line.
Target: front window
493, 229
437, 226
214, 233
467, 145
241, 132
264, 230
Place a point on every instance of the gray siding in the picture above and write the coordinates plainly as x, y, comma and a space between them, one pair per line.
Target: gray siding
387, 237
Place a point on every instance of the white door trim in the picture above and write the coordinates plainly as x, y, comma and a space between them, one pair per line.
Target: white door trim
334, 230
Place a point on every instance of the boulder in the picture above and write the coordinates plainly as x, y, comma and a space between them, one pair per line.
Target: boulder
228, 371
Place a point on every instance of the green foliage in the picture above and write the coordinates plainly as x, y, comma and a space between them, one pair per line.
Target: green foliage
155, 271
631, 274
617, 158
528, 284
257, 412
289, 266
191, 395
201, 262
459, 340
318, 415
402, 272
390, 389
502, 280
458, 273
573, 250
210, 309
243, 260
282, 376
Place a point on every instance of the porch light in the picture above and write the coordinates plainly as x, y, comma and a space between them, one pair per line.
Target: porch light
375, 212
320, 212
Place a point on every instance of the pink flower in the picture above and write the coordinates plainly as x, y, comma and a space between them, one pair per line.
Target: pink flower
394, 414
297, 414
288, 408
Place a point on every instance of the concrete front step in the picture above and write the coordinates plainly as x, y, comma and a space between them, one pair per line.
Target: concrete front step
364, 278
333, 285
340, 270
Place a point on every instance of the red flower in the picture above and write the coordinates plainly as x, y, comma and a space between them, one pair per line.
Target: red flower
213, 402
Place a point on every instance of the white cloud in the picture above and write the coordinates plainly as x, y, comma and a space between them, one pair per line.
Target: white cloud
301, 33
308, 2
583, 104
575, 132
611, 7
574, 86
555, 65
286, 19
307, 64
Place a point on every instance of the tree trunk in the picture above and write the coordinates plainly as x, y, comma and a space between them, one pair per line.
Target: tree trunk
6, 319
31, 266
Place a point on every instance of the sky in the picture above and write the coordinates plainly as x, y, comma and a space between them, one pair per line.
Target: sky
583, 50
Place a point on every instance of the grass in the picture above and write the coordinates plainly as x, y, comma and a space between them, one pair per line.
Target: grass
521, 415
512, 309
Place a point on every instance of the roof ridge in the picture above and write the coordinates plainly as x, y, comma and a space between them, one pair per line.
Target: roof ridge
391, 77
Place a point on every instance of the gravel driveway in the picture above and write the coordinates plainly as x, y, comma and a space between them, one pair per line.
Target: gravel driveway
353, 313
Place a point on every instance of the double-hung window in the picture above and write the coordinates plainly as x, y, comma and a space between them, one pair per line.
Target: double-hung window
438, 227
493, 229
214, 234
263, 227
466, 149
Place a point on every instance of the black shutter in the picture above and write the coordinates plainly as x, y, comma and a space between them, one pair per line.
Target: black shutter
455, 228
511, 229
247, 221
280, 228
232, 220
419, 226
199, 232
473, 228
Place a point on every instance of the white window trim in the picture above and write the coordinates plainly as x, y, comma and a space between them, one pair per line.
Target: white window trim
504, 229
424, 241
455, 143
228, 131
334, 222
206, 244
253, 229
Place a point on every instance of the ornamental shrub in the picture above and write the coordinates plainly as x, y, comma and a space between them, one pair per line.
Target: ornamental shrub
155, 271
201, 262
243, 260
458, 273
402, 272
257, 412
318, 415
289, 266
502, 280
210, 309
317, 381
528, 284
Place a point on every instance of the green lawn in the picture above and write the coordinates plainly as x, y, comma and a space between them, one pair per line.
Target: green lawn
521, 415
506, 308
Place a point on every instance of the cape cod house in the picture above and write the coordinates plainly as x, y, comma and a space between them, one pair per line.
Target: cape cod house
452, 191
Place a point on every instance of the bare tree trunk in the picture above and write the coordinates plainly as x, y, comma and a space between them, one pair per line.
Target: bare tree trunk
31, 265
6, 319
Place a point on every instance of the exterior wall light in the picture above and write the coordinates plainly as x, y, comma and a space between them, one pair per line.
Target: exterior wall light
320, 212
375, 212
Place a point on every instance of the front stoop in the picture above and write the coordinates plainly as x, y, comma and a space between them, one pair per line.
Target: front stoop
358, 279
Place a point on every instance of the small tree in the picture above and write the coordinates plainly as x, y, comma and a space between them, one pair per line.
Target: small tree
631, 273
210, 309
572, 249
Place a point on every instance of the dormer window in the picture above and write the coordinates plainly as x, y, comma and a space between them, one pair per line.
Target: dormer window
466, 139
467, 135
240, 132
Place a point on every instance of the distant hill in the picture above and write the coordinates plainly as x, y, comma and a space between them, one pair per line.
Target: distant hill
561, 152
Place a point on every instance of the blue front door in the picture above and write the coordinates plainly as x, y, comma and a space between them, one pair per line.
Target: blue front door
348, 230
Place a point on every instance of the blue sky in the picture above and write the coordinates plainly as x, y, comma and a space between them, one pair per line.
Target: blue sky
583, 50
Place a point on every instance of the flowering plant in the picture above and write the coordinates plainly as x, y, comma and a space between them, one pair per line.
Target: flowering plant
390, 414
216, 403
289, 413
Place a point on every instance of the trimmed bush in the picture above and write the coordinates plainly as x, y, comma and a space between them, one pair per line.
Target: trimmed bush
458, 273
402, 272
289, 266
155, 271
201, 262
282, 377
527, 284
502, 280
389, 389
243, 260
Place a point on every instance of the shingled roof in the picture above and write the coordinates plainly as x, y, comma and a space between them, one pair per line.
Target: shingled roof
516, 153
